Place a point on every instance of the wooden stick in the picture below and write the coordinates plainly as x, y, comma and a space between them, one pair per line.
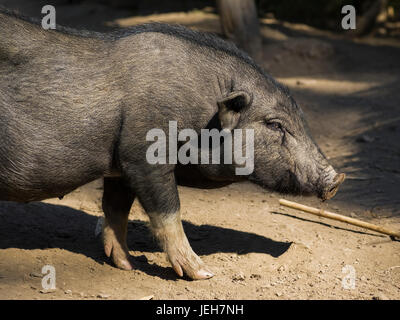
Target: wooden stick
334, 216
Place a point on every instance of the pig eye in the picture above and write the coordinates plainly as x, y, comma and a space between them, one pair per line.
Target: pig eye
273, 125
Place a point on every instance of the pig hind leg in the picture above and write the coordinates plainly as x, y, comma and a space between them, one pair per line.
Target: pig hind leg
117, 202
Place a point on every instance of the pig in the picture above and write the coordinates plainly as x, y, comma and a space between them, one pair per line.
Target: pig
75, 106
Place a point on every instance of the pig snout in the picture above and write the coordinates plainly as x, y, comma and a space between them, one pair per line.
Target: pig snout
330, 187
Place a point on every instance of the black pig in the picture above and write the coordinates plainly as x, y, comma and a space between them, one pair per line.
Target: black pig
76, 106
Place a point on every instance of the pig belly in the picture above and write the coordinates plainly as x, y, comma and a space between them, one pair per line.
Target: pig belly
46, 175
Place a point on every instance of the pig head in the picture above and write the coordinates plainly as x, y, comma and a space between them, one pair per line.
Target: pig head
286, 158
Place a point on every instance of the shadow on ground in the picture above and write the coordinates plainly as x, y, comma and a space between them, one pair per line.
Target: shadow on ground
326, 224
41, 225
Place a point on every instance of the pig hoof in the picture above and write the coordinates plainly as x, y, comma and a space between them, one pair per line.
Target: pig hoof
123, 264
119, 256
191, 265
120, 259
204, 274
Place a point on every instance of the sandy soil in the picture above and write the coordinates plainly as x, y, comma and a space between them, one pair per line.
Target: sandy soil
350, 92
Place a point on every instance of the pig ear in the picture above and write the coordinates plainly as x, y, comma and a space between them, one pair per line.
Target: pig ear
229, 108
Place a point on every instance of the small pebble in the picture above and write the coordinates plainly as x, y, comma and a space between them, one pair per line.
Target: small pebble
45, 291
282, 268
365, 138
36, 275
380, 296
147, 298
239, 277
363, 278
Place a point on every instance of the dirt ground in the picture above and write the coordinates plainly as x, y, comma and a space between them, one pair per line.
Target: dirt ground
350, 92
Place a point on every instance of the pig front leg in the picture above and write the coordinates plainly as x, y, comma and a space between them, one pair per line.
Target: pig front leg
158, 195
168, 230
117, 202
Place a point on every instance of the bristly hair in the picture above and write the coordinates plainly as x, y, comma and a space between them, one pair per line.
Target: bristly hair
206, 39
210, 40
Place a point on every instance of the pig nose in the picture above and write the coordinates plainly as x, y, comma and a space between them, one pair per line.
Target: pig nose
331, 190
